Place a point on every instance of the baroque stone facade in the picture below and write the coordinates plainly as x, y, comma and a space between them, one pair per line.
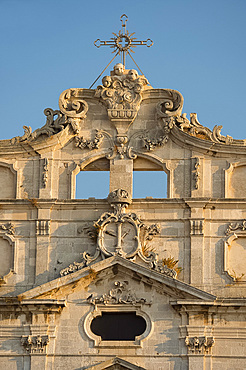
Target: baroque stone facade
173, 268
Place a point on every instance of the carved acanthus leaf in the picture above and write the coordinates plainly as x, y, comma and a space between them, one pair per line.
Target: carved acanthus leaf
120, 294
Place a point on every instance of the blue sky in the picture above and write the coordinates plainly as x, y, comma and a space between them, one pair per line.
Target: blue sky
199, 49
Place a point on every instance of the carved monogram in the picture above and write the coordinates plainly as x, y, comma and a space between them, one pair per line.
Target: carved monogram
118, 233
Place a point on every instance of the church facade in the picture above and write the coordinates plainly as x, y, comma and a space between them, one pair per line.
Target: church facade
122, 283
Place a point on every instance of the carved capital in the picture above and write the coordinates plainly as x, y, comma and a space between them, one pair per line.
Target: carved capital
199, 345
42, 227
35, 343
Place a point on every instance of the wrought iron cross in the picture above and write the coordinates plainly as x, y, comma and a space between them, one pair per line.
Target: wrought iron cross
123, 42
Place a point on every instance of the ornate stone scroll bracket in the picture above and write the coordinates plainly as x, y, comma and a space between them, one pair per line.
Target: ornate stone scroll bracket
196, 227
123, 234
42, 227
236, 226
72, 105
45, 172
121, 94
194, 128
35, 344
196, 173
120, 294
82, 143
199, 345
7, 228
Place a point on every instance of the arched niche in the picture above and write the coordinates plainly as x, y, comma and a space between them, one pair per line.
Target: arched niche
8, 180
7, 252
235, 180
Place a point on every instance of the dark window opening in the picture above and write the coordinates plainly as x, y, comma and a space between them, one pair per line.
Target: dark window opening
118, 325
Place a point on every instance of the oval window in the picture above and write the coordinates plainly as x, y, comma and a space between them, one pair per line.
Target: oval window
118, 325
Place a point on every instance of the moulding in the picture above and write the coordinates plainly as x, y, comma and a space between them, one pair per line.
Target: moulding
99, 309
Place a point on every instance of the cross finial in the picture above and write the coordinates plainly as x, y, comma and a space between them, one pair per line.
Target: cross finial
123, 42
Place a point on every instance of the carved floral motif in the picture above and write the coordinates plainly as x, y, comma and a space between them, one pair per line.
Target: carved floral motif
35, 344
82, 143
120, 294
121, 93
199, 345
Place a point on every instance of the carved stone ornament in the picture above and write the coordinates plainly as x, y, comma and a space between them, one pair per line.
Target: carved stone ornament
196, 173
119, 233
35, 343
194, 128
45, 172
236, 226
121, 94
199, 345
83, 143
56, 121
7, 228
120, 294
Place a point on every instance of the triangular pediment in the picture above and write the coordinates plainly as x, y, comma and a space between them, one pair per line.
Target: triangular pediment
116, 364
59, 287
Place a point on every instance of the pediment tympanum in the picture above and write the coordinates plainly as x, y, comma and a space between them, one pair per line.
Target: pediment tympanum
81, 279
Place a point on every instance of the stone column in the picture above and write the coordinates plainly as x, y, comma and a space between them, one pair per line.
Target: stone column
42, 244
121, 174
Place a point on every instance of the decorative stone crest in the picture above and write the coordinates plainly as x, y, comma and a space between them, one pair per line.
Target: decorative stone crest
120, 294
199, 345
121, 94
119, 234
35, 343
